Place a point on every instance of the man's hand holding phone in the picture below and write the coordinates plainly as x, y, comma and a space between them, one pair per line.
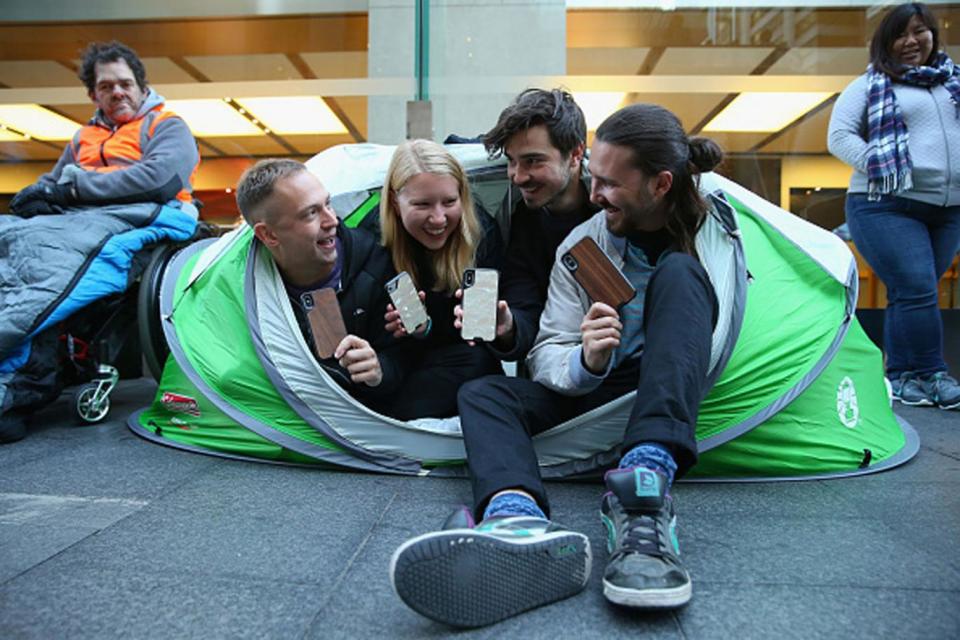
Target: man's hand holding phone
360, 360
600, 334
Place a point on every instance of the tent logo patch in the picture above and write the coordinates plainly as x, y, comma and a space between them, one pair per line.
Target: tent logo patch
847, 407
180, 404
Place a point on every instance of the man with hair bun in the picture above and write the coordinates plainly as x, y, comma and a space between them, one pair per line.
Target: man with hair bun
643, 168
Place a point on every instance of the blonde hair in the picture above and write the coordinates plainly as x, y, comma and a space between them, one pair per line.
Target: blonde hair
409, 160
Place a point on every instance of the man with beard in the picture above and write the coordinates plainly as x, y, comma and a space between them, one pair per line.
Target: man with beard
643, 170
543, 135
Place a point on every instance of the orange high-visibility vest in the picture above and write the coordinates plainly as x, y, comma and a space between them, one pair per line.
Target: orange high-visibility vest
97, 148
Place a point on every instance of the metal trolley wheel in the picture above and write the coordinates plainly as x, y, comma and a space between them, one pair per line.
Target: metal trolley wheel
91, 406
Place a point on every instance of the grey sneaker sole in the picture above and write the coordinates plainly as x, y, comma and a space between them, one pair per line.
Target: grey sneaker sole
925, 402
469, 579
949, 407
648, 598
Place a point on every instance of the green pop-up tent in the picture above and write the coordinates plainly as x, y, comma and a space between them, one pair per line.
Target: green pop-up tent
797, 387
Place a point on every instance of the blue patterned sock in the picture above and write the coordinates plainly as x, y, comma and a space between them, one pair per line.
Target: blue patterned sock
651, 456
513, 504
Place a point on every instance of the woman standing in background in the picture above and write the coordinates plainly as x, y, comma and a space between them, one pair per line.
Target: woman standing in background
898, 126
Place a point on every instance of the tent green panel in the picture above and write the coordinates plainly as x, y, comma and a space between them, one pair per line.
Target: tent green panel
222, 352
774, 351
180, 413
826, 430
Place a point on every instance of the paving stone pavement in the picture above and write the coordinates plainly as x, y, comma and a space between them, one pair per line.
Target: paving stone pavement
105, 535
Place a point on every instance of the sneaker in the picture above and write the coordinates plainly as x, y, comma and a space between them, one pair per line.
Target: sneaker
942, 390
13, 427
502, 567
644, 568
909, 391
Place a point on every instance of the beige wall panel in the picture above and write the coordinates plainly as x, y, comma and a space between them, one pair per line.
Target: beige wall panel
824, 61
245, 68
25, 151
312, 145
248, 146
165, 71
710, 60
817, 171
810, 136
337, 64
36, 73
605, 61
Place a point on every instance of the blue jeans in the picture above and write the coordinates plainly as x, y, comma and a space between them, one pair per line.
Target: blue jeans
909, 244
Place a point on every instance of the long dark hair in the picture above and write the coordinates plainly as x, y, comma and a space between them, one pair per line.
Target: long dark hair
892, 25
659, 143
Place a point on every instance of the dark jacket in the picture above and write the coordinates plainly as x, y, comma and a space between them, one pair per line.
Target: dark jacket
525, 278
363, 303
439, 304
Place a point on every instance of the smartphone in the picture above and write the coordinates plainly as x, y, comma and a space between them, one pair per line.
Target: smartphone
593, 270
403, 295
480, 304
326, 321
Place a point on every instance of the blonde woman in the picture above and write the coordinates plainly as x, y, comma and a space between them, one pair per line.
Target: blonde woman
432, 230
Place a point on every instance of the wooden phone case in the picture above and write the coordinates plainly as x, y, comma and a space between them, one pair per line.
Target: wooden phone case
596, 273
326, 322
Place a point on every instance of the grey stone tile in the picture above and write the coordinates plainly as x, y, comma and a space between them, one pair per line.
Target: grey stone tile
832, 551
109, 603
24, 546
94, 513
364, 603
777, 611
244, 519
106, 461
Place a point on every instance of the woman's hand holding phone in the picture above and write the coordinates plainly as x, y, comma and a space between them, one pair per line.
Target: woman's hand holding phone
394, 323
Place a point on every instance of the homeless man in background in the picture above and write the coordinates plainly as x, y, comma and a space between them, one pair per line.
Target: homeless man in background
290, 213
643, 170
133, 150
131, 158
543, 134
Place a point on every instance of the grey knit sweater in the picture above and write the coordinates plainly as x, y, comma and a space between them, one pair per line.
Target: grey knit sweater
934, 131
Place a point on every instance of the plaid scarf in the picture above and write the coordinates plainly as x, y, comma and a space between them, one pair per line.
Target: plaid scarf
889, 168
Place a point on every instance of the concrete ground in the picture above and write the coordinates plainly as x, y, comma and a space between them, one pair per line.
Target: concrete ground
105, 535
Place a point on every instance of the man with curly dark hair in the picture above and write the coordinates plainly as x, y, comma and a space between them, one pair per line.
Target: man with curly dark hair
133, 150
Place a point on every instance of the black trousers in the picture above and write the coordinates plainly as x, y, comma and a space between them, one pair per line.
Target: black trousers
434, 377
499, 415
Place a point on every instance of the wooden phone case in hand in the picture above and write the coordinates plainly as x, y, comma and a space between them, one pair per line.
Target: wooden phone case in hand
596, 273
326, 322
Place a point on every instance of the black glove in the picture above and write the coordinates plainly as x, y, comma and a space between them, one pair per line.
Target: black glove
57, 194
35, 207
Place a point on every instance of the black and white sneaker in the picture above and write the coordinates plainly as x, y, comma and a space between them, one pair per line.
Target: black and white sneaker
644, 568
473, 577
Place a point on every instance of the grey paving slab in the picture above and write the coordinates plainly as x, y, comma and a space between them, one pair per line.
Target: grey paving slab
777, 611
245, 519
34, 528
109, 603
105, 535
23, 546
103, 461
367, 588
832, 551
